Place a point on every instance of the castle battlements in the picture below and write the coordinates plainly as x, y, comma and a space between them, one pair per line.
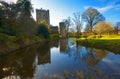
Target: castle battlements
42, 14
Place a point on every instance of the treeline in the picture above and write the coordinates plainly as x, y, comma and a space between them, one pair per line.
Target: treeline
17, 26
16, 18
95, 23
106, 28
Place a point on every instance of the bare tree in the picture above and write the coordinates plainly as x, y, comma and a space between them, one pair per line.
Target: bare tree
78, 23
67, 24
92, 16
72, 32
87, 28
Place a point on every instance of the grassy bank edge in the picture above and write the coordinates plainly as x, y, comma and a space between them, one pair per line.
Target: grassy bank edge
11, 43
112, 45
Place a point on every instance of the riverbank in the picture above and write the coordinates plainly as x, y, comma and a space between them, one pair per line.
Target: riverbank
11, 43
110, 44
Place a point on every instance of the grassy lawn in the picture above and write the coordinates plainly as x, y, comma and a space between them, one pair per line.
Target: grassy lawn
111, 43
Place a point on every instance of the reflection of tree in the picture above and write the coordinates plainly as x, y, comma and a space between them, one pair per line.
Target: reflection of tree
19, 64
63, 45
44, 53
54, 42
78, 52
100, 53
93, 56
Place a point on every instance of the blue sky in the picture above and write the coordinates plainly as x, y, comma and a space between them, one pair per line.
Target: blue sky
61, 9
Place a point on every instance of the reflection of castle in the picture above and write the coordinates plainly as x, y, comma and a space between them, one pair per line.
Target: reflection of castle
63, 45
44, 55
44, 58
54, 42
41, 15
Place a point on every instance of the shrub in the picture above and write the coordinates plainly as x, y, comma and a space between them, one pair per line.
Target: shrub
43, 31
9, 30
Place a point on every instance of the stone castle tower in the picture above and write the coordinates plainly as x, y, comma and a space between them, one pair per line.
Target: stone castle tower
41, 15
62, 27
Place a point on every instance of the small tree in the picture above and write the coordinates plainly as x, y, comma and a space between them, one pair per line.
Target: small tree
117, 27
103, 27
67, 24
43, 30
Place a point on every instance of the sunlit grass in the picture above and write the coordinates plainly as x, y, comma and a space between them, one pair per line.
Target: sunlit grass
110, 37
102, 37
107, 42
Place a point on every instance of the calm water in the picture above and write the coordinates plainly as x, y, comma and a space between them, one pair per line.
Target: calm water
60, 59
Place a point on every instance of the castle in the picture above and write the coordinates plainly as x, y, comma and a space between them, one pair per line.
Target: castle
41, 15
62, 27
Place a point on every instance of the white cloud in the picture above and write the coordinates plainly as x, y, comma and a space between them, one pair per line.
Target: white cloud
106, 8
102, 9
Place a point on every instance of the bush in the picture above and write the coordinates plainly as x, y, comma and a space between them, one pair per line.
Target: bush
9, 30
3, 37
43, 31
54, 35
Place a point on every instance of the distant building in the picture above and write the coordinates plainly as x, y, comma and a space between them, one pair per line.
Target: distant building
62, 27
41, 15
54, 29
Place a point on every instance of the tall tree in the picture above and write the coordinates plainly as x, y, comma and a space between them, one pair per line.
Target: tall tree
78, 23
7, 13
19, 15
25, 6
92, 16
67, 24
87, 28
117, 27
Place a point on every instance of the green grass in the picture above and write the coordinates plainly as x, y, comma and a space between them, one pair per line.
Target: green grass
54, 35
111, 43
10, 43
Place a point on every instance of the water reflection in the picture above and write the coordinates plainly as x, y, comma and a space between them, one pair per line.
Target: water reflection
43, 53
21, 64
54, 42
18, 65
94, 56
54, 58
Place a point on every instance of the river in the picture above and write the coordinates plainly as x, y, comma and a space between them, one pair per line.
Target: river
60, 59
